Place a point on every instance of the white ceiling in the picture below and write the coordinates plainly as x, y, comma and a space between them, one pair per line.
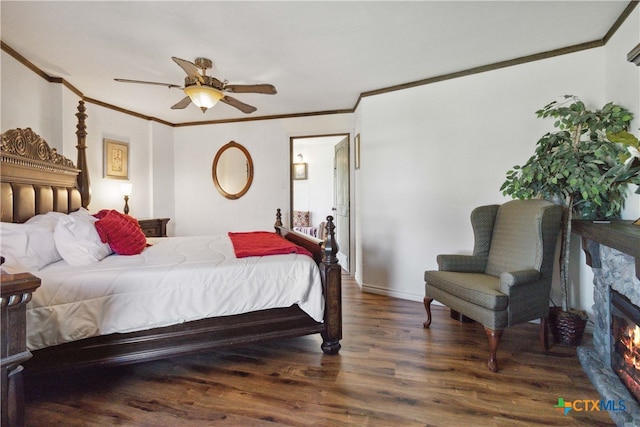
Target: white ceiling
319, 55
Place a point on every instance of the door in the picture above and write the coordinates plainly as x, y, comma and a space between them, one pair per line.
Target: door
341, 200
326, 189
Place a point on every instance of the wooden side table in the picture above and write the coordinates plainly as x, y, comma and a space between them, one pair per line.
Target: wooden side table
15, 293
154, 227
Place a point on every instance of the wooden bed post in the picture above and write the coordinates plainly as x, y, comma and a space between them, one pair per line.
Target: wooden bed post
84, 185
331, 274
325, 254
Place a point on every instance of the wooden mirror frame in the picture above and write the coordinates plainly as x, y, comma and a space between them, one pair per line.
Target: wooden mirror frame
216, 182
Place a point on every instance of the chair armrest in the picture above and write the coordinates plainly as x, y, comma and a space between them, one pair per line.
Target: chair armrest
462, 263
517, 278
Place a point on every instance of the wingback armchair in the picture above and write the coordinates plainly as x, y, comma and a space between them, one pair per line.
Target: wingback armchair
507, 280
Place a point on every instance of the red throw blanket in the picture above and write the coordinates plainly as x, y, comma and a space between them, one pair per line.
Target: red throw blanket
261, 243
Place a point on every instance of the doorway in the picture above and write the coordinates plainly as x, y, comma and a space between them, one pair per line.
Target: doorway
323, 188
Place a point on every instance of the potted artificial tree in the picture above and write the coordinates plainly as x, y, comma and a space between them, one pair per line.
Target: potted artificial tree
579, 167
628, 171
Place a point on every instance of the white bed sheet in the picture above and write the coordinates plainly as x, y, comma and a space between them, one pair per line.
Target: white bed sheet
175, 280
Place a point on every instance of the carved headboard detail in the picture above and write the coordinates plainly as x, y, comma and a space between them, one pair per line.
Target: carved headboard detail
19, 146
34, 177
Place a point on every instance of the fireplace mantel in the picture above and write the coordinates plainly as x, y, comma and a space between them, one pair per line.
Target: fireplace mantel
613, 252
621, 235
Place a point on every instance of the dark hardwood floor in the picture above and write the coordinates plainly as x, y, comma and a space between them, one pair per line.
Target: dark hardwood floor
390, 372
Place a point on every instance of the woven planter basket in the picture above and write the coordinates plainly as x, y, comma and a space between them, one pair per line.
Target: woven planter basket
567, 327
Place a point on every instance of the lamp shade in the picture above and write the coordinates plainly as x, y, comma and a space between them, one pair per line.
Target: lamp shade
125, 189
203, 96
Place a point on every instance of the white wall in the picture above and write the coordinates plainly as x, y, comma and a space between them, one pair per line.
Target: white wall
163, 176
106, 194
28, 100
201, 209
449, 145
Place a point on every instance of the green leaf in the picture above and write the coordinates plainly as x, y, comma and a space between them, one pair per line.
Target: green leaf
623, 137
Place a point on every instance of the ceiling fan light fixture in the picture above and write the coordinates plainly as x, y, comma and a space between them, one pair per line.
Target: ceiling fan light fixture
204, 97
205, 91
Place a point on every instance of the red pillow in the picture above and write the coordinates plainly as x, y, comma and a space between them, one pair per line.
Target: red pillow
121, 232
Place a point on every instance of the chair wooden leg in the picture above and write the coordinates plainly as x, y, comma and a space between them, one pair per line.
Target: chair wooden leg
494, 341
544, 333
427, 306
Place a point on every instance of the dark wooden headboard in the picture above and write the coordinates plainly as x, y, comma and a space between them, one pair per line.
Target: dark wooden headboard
35, 179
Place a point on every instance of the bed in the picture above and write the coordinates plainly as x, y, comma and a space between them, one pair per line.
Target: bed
36, 180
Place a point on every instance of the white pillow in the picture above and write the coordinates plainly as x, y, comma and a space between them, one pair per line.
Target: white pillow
50, 219
77, 239
27, 247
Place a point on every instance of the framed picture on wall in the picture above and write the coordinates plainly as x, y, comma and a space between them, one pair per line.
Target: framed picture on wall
299, 171
116, 159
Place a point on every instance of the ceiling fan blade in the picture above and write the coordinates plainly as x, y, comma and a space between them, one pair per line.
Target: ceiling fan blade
245, 108
184, 103
169, 85
189, 68
262, 88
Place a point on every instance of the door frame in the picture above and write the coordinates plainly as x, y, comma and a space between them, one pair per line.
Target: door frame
347, 135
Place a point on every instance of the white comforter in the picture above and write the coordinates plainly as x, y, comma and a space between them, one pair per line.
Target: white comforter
178, 279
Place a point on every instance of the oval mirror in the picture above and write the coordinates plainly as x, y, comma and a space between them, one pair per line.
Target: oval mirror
232, 170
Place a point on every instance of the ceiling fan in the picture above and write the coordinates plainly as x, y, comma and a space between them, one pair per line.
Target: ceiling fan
205, 91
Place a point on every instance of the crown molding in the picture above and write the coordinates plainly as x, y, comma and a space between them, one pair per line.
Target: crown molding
633, 56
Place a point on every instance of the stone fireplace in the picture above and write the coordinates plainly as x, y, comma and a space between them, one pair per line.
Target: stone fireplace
613, 252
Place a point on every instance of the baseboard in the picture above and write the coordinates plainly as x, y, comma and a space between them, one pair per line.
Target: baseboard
391, 293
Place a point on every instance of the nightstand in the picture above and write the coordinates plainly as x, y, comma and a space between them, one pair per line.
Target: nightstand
154, 227
16, 290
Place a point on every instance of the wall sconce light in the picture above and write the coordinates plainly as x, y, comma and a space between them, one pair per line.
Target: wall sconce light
125, 189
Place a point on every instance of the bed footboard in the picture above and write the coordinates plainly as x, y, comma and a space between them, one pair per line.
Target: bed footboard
325, 255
